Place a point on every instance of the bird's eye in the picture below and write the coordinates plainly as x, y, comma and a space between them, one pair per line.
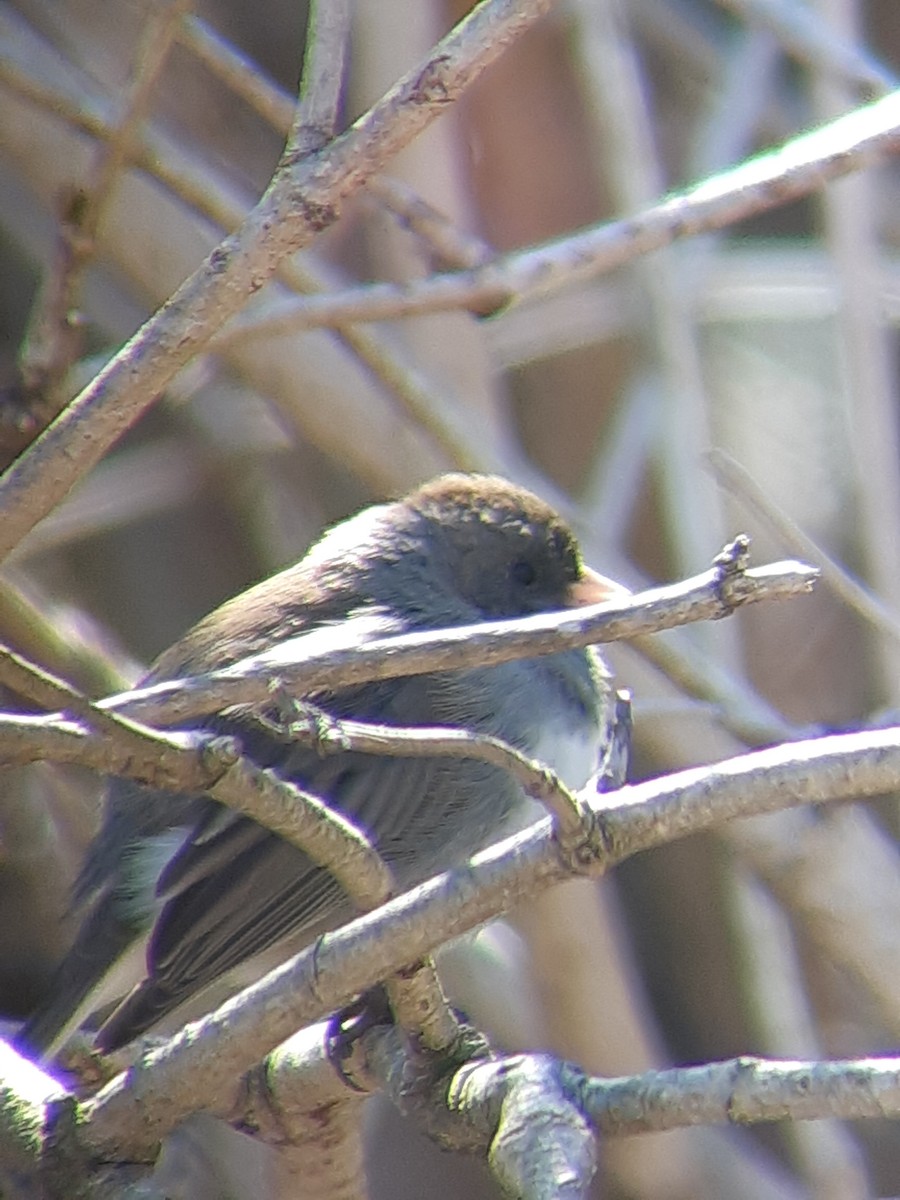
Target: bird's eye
523, 572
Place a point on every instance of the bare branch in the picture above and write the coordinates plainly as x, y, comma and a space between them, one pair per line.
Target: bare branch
482, 1105
746, 1090
743, 1090
329, 735
803, 35
323, 74
250, 681
303, 198
133, 1112
850, 143
49, 346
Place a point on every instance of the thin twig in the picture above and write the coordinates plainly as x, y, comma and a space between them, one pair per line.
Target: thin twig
538, 781
49, 347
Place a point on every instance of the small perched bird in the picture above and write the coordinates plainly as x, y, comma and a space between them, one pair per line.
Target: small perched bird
178, 891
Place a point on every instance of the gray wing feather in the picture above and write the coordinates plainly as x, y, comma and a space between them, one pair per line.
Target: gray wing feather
233, 889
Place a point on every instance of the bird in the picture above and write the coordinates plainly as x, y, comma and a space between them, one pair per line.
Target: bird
177, 891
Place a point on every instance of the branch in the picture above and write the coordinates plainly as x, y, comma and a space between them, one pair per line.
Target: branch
195, 760
250, 681
175, 761
303, 198
472, 1105
322, 77
133, 1112
203, 190
744, 1090
50, 345
534, 1118
331, 736
189, 762
861, 138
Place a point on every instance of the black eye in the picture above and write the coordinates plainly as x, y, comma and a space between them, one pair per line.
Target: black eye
523, 572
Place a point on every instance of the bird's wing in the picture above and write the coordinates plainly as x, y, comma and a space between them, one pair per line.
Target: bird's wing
233, 889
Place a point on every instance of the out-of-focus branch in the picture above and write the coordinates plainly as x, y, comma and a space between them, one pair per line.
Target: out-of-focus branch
738, 480
801, 165
62, 640
238, 73
808, 39
852, 233
826, 1152
303, 198
49, 346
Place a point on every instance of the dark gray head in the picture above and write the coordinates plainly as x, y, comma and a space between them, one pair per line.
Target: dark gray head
496, 546
458, 550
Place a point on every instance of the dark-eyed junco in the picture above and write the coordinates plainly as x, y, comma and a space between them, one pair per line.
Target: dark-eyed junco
213, 889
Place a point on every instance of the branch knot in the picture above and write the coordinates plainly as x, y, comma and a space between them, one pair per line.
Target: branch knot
729, 566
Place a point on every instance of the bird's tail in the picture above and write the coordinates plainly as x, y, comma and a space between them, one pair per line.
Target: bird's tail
103, 964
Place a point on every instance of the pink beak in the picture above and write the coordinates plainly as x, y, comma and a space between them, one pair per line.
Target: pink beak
593, 588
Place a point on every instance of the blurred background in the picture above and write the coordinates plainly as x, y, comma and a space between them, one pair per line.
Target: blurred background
133, 136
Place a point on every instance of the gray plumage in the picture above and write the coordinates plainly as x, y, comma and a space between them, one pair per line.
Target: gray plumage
215, 889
